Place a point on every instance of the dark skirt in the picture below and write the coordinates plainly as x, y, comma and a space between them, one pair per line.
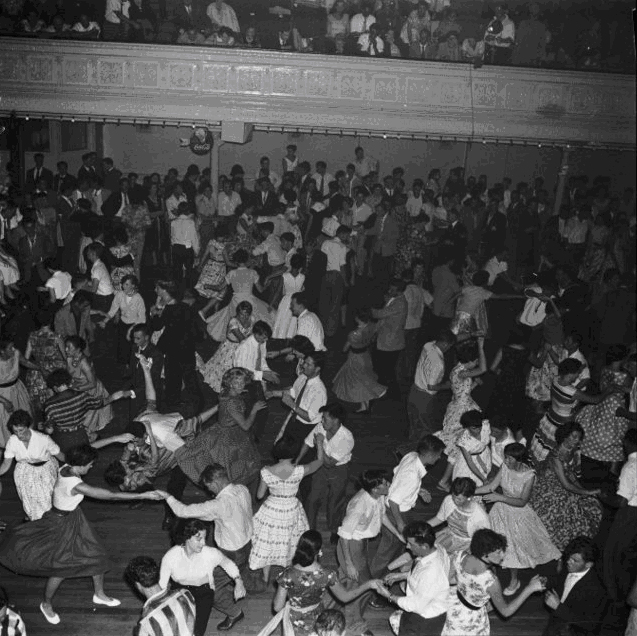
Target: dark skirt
68, 439
61, 544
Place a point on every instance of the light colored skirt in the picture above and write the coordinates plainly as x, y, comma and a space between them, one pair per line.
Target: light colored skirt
35, 486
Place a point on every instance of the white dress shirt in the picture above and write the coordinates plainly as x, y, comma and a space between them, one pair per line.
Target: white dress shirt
627, 480
495, 267
571, 579
104, 285
361, 213
417, 297
366, 44
251, 355
272, 248
414, 204
363, 517
172, 203
427, 590
196, 570
60, 283
183, 231
228, 203
360, 24
323, 182
40, 448
406, 483
231, 510
113, 6
339, 447
336, 253
309, 325
430, 368
314, 398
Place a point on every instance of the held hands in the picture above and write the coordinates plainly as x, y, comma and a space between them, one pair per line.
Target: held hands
425, 495
390, 579
239, 589
163, 495
153, 495
125, 438
378, 585
492, 497
271, 376
352, 572
551, 599
259, 406
537, 584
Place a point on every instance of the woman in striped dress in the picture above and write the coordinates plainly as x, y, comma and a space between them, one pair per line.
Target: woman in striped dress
565, 396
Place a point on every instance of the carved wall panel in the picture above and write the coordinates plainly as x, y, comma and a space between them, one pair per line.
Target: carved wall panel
109, 79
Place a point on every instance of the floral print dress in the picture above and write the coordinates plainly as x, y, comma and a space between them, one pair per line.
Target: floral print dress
305, 590
474, 588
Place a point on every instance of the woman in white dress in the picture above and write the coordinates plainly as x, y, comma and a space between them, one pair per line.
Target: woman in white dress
528, 541
293, 281
473, 458
9, 276
281, 520
242, 280
36, 466
13, 394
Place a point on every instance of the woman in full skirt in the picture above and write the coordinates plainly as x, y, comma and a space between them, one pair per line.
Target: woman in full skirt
356, 380
293, 281
62, 544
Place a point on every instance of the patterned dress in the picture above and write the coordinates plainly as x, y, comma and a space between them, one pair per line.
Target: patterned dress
213, 273
356, 380
480, 451
305, 590
45, 349
461, 620
279, 522
461, 402
565, 514
603, 430
13, 391
461, 524
528, 542
123, 264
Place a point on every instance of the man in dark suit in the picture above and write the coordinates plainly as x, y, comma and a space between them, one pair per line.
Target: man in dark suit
265, 199
140, 336
494, 230
87, 171
38, 172
576, 597
110, 175
386, 233
68, 250
33, 248
63, 179
118, 200
189, 15
456, 233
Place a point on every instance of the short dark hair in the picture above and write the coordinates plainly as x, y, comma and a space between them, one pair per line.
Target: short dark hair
307, 548
302, 344
329, 621
76, 341
430, 444
169, 286
300, 298
262, 328
286, 448
485, 541
211, 472
421, 532
19, 419
334, 409
471, 419
582, 545
399, 284
141, 327
241, 256
188, 530
518, 452
81, 455
268, 226
373, 478
480, 278
143, 570
57, 378
319, 358
115, 474
566, 430
463, 486
297, 261
569, 366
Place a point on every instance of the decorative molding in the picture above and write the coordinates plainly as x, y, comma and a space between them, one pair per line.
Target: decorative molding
193, 83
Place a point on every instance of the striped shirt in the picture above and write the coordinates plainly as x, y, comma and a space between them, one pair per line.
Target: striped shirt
12, 624
169, 613
69, 413
563, 402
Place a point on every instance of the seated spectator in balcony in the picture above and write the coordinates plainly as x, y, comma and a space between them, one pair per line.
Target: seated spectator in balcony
58, 28
417, 20
391, 48
143, 22
10, 14
532, 38
361, 22
251, 38
223, 15
188, 15
449, 48
371, 43
32, 24
222, 37
388, 16
337, 21
287, 38
448, 23
191, 36
340, 44
499, 37
86, 28
472, 50
425, 48
116, 25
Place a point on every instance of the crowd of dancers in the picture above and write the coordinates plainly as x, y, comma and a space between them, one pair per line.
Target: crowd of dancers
502, 334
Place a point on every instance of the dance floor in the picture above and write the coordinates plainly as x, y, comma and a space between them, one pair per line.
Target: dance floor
128, 533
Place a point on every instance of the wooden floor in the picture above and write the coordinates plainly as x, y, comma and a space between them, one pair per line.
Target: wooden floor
128, 533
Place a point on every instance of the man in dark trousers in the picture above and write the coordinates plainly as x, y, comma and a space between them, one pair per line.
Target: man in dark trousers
576, 597
38, 172
140, 335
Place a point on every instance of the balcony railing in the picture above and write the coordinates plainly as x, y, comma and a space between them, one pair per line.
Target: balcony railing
400, 97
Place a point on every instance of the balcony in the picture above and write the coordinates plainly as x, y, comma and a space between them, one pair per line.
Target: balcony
108, 81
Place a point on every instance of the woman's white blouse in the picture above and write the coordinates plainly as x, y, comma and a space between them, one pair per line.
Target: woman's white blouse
195, 570
39, 449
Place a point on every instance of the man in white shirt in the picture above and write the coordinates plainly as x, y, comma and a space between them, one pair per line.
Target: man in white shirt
174, 200
322, 178
620, 544
305, 399
335, 280
330, 481
308, 323
270, 246
415, 199
228, 202
424, 605
223, 15
184, 240
425, 408
499, 46
231, 512
361, 22
115, 19
364, 165
364, 517
406, 487
264, 171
